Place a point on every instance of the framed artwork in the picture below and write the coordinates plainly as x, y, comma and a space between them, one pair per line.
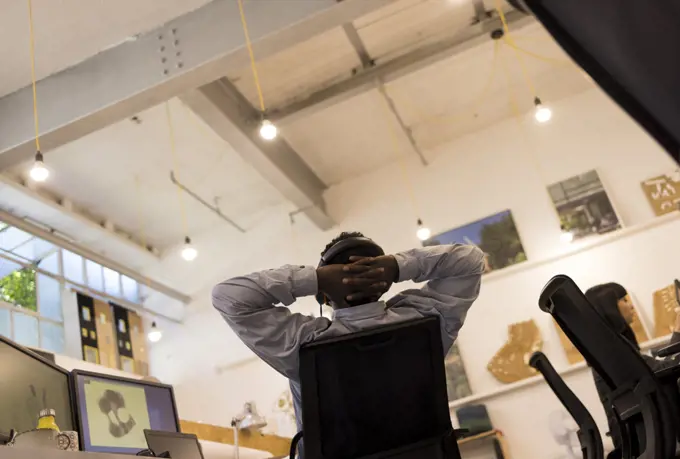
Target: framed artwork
583, 205
457, 384
496, 235
663, 193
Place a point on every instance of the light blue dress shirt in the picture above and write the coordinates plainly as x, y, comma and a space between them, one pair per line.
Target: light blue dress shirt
249, 305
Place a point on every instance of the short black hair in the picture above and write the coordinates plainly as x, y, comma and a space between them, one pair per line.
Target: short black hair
341, 237
342, 258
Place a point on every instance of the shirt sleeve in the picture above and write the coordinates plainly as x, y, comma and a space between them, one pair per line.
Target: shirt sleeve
249, 305
453, 274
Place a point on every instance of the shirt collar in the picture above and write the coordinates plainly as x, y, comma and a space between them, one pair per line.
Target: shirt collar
364, 311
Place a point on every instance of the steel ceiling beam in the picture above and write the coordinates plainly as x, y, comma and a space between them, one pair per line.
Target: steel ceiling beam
222, 107
190, 51
365, 80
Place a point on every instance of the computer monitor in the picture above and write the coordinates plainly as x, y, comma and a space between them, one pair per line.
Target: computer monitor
113, 412
179, 445
29, 384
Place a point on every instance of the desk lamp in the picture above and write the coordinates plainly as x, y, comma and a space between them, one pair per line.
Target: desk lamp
248, 420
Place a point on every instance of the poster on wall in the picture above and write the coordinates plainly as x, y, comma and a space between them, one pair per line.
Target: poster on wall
663, 193
496, 235
457, 384
583, 206
665, 303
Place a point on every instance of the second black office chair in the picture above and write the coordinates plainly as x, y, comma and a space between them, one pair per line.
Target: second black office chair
644, 403
588, 433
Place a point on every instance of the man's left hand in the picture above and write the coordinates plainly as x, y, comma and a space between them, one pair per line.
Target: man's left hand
372, 273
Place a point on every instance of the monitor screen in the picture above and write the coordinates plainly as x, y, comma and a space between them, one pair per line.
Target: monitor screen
28, 384
179, 445
114, 412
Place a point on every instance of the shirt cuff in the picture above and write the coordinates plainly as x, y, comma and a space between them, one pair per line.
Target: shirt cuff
304, 281
408, 266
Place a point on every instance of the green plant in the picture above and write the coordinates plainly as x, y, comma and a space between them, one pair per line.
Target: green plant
19, 288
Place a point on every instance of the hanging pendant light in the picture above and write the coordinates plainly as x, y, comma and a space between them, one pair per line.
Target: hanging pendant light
423, 232
155, 334
189, 252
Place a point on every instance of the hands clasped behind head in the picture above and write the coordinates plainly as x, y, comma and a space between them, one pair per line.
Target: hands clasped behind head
363, 280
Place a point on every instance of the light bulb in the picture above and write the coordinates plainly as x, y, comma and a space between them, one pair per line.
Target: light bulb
155, 334
423, 232
541, 113
39, 172
268, 130
189, 253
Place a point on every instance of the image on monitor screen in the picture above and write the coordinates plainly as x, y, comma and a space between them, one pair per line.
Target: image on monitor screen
28, 385
114, 412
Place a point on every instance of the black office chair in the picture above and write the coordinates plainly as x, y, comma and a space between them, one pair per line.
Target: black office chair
645, 403
380, 393
588, 433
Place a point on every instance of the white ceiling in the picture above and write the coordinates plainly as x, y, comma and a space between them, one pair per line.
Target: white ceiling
455, 97
121, 173
69, 31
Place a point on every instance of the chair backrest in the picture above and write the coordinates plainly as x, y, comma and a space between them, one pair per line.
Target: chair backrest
378, 393
588, 433
645, 416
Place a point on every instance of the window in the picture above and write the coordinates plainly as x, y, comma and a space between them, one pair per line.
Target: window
50, 263
18, 288
49, 298
73, 267
130, 289
11, 238
26, 329
95, 277
51, 336
35, 249
111, 282
5, 323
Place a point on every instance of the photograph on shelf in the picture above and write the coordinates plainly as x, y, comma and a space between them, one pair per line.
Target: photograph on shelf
457, 384
583, 206
663, 193
496, 235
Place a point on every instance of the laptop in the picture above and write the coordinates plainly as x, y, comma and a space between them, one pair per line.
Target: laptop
179, 445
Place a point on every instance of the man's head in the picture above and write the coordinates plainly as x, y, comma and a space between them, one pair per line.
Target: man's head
341, 249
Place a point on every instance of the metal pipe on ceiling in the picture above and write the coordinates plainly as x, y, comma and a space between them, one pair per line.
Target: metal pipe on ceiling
214, 209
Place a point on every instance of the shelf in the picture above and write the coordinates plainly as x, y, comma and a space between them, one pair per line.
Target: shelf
528, 382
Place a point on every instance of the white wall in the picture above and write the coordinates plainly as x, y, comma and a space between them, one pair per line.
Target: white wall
503, 167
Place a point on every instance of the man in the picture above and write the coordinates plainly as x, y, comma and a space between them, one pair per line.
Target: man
353, 274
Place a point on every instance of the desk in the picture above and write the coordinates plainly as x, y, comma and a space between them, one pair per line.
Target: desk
496, 436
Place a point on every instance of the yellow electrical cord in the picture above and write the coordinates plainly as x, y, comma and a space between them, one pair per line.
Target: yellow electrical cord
518, 118
142, 225
35, 94
252, 56
508, 39
173, 152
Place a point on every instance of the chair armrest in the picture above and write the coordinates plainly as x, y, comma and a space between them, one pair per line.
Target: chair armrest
668, 350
